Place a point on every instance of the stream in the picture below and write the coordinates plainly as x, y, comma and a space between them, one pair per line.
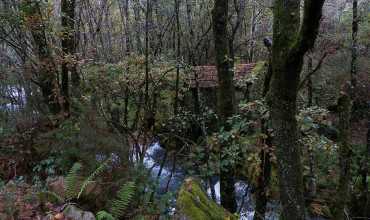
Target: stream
153, 159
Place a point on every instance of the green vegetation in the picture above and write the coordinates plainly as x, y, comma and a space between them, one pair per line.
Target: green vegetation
170, 109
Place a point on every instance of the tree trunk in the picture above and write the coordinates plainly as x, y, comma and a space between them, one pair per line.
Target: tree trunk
309, 83
137, 18
290, 43
365, 180
225, 95
47, 79
69, 48
345, 152
265, 157
346, 112
126, 38
354, 43
311, 160
252, 33
194, 91
178, 54
265, 176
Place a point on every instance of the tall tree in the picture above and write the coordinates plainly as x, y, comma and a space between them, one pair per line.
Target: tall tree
47, 71
68, 48
264, 177
178, 54
366, 166
225, 94
345, 108
354, 48
345, 152
292, 39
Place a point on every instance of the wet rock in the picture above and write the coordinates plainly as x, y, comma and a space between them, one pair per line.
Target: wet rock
74, 213
194, 204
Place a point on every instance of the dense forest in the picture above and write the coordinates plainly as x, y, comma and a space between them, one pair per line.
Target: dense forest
184, 109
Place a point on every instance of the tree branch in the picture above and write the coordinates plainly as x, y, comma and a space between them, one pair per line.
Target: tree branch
310, 27
318, 66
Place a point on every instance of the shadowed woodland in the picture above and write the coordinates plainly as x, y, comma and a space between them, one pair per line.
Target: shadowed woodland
184, 109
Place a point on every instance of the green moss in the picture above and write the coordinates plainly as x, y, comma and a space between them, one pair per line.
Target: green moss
193, 204
257, 77
259, 69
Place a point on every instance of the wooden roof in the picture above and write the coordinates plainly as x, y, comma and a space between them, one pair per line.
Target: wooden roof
207, 75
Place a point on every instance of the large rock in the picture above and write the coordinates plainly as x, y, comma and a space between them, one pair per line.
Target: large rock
74, 213
194, 204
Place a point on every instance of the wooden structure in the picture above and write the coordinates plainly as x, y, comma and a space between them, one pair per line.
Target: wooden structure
207, 75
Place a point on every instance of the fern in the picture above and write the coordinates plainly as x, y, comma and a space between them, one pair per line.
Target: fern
124, 196
48, 196
104, 215
72, 180
93, 176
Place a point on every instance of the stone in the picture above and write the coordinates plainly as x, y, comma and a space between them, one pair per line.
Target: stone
73, 213
194, 204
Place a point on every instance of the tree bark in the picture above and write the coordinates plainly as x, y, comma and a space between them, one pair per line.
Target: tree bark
365, 180
252, 33
225, 95
309, 83
265, 157
288, 49
191, 61
354, 43
126, 38
137, 17
47, 75
345, 152
178, 54
346, 111
265, 176
68, 48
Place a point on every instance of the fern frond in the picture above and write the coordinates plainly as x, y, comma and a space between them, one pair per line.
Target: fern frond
72, 181
124, 197
48, 196
104, 215
93, 176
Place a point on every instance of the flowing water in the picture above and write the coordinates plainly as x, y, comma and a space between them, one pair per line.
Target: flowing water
243, 193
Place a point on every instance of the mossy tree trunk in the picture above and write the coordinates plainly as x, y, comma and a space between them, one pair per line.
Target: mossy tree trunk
69, 49
47, 71
225, 95
290, 43
365, 173
347, 115
265, 156
345, 152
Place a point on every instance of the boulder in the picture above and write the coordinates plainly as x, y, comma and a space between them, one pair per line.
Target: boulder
73, 213
194, 204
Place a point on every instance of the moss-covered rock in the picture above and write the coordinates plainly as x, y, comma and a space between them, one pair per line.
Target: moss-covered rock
194, 204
